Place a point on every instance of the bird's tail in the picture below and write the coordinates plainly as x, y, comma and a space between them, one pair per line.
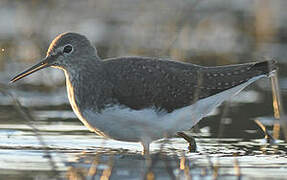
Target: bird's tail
265, 67
226, 77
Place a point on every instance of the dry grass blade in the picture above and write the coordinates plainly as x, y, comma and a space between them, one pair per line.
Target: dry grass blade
107, 172
150, 164
278, 107
150, 176
182, 163
184, 168
93, 169
216, 170
187, 171
237, 167
28, 119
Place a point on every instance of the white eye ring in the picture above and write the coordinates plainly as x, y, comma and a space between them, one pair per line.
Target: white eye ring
68, 49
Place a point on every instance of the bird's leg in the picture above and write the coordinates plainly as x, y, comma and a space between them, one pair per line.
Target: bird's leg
145, 146
269, 138
191, 141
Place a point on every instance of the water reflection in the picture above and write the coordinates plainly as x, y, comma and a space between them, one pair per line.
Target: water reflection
203, 32
83, 154
209, 162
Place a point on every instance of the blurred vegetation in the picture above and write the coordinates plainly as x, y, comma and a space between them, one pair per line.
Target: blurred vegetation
206, 32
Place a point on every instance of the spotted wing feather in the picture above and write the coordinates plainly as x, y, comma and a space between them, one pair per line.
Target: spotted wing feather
168, 85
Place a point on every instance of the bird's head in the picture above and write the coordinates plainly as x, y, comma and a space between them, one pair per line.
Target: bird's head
63, 52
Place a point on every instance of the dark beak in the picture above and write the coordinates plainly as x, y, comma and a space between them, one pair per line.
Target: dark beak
43, 64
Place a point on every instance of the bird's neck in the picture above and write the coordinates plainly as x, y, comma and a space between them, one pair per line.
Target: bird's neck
86, 86
75, 97
85, 63
81, 75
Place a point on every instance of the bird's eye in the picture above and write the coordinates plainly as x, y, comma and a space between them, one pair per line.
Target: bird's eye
68, 49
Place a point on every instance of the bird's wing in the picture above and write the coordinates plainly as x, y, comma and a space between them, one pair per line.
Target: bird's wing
144, 82
168, 85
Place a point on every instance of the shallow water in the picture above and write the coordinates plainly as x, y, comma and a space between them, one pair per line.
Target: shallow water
71, 151
55, 145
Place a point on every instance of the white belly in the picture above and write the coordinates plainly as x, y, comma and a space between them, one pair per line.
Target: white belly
125, 124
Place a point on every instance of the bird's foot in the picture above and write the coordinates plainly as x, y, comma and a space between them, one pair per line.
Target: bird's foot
269, 138
191, 141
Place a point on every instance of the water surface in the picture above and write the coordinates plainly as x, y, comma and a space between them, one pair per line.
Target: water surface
54, 144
